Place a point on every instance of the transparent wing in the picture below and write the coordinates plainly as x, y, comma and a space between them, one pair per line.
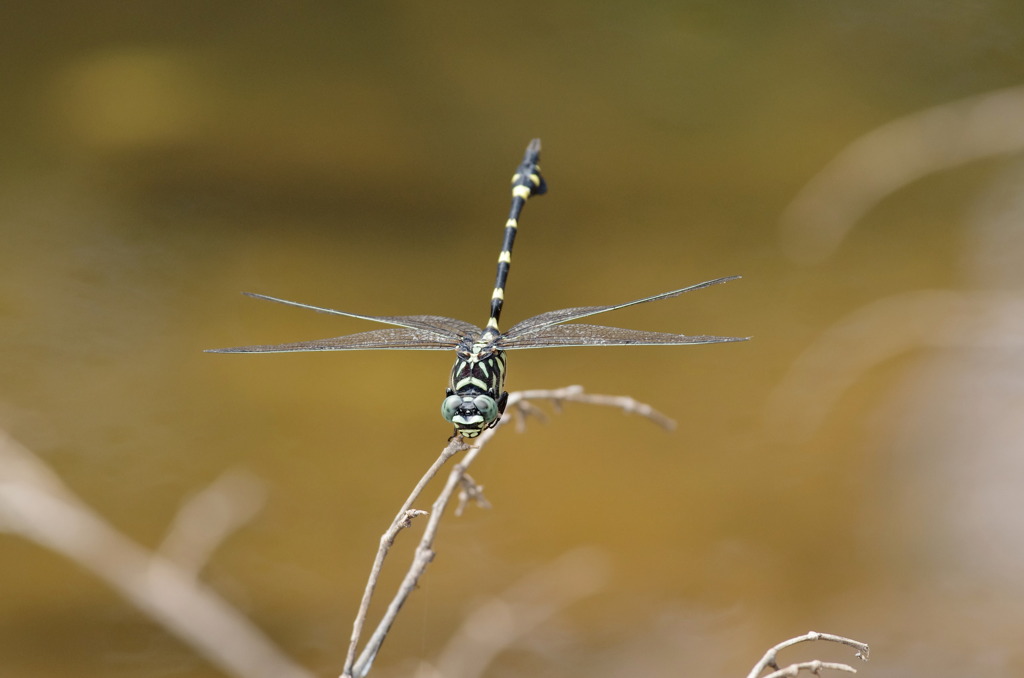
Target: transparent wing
531, 326
443, 328
580, 334
399, 339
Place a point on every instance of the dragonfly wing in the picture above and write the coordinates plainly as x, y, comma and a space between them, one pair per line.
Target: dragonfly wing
438, 324
580, 334
398, 339
444, 328
539, 322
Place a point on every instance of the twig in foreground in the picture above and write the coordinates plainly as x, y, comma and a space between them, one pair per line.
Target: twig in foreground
517, 401
769, 659
209, 517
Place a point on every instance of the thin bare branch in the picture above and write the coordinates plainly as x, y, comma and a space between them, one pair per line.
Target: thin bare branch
815, 667
520, 399
769, 660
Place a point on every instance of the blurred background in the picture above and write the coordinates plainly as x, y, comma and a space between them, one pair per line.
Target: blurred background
856, 468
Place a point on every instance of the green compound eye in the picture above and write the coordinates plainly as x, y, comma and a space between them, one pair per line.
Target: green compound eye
487, 408
450, 407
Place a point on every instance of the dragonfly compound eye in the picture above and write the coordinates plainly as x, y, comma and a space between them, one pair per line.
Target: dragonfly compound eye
487, 407
450, 407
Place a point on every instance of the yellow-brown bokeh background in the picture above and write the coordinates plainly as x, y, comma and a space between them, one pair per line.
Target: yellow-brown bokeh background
160, 158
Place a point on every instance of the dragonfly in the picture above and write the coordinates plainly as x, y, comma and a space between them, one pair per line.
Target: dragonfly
476, 398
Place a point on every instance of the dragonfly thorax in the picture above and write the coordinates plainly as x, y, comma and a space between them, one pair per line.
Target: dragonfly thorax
475, 396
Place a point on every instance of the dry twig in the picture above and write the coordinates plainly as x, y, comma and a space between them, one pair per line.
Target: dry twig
521, 401
816, 666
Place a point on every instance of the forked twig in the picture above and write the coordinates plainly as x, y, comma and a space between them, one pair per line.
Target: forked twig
357, 668
816, 666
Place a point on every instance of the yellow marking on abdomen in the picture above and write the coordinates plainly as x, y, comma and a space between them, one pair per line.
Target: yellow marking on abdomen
521, 192
505, 257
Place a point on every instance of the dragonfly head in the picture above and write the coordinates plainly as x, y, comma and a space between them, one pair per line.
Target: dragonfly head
472, 413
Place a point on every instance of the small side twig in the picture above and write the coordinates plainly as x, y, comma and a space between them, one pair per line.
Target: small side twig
471, 492
769, 660
520, 400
